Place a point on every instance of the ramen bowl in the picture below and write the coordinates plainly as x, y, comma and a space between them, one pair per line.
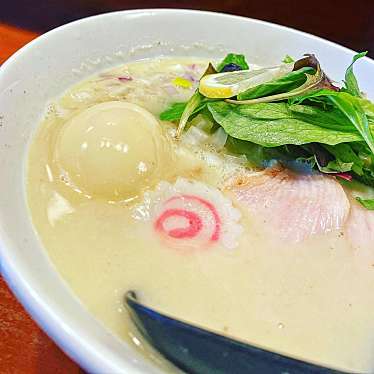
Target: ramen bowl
45, 68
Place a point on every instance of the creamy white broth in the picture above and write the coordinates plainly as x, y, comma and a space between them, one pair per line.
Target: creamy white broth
312, 299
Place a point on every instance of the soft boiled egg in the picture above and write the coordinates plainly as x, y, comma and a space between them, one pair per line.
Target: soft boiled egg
112, 150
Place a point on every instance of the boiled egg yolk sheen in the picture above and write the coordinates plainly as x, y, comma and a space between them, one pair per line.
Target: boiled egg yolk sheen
112, 150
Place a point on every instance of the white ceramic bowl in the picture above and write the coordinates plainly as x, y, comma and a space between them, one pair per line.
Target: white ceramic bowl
43, 70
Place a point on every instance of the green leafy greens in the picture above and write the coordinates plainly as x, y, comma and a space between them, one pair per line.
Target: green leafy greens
174, 112
288, 59
351, 85
191, 107
350, 107
273, 124
367, 203
299, 119
233, 58
283, 84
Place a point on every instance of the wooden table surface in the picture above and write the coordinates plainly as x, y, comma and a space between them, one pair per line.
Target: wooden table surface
24, 348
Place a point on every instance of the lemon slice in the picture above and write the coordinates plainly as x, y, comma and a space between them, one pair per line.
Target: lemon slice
225, 85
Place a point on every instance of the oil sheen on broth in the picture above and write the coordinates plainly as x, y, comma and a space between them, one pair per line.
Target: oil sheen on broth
119, 205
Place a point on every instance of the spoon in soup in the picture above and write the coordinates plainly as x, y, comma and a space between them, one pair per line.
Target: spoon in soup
199, 351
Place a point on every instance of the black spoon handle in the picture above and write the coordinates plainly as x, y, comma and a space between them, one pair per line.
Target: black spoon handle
195, 350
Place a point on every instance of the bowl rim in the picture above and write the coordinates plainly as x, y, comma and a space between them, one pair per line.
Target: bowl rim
47, 34
48, 319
